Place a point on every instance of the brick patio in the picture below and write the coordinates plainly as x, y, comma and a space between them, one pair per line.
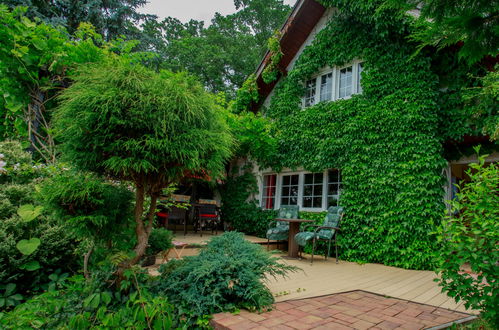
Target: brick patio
349, 310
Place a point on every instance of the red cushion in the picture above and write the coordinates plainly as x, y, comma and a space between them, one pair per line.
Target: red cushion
162, 214
208, 215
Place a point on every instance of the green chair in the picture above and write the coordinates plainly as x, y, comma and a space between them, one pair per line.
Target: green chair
279, 230
325, 232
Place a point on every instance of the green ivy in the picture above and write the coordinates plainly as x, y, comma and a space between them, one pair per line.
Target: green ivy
386, 141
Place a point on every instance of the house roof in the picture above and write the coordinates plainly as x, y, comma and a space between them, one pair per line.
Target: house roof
294, 32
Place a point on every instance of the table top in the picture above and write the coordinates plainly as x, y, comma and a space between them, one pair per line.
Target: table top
294, 220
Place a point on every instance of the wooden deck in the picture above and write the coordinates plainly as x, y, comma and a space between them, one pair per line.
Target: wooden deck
197, 239
327, 277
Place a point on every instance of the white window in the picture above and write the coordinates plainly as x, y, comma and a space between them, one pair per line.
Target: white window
334, 84
310, 93
326, 87
289, 189
310, 191
345, 83
333, 187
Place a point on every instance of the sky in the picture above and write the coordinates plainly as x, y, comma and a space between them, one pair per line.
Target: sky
184, 10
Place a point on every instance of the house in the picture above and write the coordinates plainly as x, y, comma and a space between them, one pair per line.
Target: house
363, 121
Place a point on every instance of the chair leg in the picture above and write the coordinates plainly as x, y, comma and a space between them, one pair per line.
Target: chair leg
313, 251
268, 244
328, 249
336, 248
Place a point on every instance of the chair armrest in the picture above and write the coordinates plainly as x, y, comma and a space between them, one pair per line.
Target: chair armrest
271, 223
326, 227
308, 226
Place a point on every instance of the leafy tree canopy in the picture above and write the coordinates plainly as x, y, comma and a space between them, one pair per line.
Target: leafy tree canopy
131, 123
111, 18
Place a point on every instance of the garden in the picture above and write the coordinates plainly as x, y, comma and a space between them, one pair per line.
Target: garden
103, 120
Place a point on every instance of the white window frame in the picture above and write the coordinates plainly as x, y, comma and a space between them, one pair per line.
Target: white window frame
335, 82
301, 181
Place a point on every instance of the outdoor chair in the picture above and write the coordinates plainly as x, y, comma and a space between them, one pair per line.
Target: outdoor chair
279, 230
325, 232
207, 216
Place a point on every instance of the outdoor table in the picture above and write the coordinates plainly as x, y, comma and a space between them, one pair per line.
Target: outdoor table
294, 228
175, 245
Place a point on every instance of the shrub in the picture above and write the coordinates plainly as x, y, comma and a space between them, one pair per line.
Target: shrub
226, 275
240, 210
471, 238
81, 304
159, 240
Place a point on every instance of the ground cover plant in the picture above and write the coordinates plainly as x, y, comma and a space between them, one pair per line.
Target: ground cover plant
225, 276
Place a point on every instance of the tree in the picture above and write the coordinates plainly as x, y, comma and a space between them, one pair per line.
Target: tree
111, 18
131, 123
35, 59
223, 54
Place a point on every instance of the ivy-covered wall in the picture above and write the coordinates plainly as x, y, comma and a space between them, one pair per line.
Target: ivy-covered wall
385, 141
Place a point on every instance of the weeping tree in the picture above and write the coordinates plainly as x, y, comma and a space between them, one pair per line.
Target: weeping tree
129, 123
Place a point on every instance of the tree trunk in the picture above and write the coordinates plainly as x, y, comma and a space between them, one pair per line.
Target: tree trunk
86, 259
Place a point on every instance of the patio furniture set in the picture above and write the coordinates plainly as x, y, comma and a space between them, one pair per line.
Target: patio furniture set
203, 215
287, 227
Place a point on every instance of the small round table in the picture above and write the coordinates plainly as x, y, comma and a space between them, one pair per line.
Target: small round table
294, 228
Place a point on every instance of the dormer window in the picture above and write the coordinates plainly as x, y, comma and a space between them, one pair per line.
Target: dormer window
334, 84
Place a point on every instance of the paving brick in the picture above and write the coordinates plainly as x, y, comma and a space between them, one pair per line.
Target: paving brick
369, 318
332, 326
271, 322
358, 309
307, 308
388, 325
310, 319
361, 324
284, 306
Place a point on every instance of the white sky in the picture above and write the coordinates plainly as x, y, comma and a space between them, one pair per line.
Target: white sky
184, 10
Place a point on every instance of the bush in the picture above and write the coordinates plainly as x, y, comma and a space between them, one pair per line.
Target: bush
93, 208
471, 238
226, 275
159, 240
240, 210
81, 304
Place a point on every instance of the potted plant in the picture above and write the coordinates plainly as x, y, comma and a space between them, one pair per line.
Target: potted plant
159, 240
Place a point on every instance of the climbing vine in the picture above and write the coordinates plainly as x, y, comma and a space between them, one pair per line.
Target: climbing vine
387, 141
271, 71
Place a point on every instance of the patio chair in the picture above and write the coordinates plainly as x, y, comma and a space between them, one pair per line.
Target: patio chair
207, 216
279, 230
325, 232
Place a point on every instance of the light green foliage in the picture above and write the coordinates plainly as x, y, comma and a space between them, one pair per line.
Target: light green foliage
470, 24
81, 304
112, 18
246, 95
32, 244
225, 276
385, 141
222, 54
127, 121
93, 208
34, 60
243, 215
160, 240
469, 242
483, 101
131, 123
271, 71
